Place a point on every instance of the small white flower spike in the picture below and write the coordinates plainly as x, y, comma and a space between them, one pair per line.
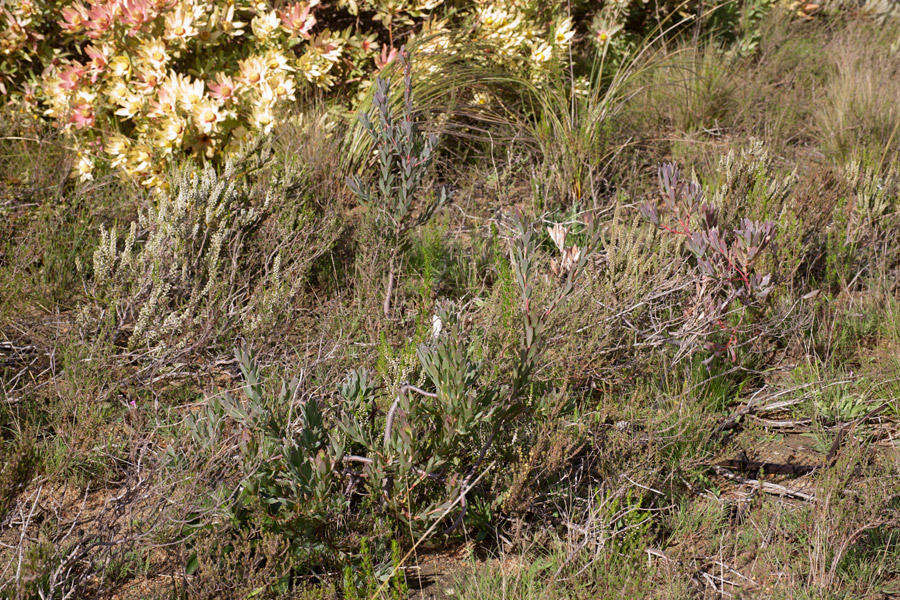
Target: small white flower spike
436, 326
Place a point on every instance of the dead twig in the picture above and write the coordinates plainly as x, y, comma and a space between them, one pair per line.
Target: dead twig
781, 423
765, 486
752, 466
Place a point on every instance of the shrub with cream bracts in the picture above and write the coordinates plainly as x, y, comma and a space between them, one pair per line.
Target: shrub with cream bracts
25, 43
138, 84
147, 80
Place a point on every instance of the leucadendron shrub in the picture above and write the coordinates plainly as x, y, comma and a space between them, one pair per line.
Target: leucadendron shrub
396, 200
26, 43
731, 286
139, 84
145, 81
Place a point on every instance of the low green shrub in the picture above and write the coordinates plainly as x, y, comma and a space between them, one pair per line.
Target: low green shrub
305, 469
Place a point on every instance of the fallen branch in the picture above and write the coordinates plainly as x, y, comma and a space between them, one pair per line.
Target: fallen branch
765, 486
781, 424
752, 466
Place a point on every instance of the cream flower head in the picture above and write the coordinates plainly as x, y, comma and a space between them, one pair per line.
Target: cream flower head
207, 116
189, 92
84, 167
264, 25
119, 65
179, 24
153, 52
542, 53
130, 105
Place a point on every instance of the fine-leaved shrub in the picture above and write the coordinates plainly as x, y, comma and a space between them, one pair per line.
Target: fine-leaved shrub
176, 271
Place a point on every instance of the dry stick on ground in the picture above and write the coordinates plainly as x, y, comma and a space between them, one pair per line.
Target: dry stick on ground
776, 489
765, 486
780, 423
700, 577
752, 466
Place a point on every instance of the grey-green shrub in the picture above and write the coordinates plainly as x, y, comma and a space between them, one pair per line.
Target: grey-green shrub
407, 465
404, 155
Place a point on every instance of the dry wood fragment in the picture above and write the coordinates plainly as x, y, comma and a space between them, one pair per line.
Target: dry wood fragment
765, 486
